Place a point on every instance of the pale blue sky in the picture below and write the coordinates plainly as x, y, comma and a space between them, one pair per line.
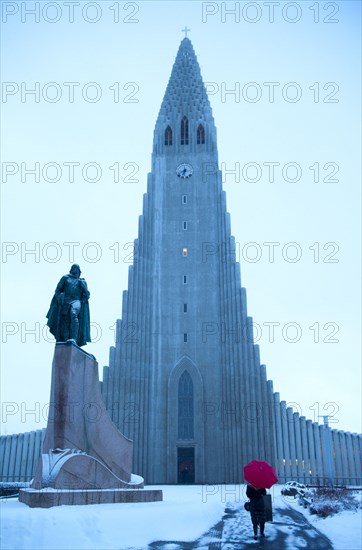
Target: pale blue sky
139, 56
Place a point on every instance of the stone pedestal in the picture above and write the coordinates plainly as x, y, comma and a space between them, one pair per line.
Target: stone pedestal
85, 458
46, 498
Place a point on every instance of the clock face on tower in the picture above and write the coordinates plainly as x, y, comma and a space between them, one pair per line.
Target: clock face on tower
184, 170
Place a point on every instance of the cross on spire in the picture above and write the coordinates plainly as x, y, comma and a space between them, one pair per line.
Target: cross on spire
185, 30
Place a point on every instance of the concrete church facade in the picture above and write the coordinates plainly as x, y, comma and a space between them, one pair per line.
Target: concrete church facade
184, 380
185, 367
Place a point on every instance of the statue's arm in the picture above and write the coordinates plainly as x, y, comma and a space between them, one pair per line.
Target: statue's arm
86, 293
60, 286
54, 307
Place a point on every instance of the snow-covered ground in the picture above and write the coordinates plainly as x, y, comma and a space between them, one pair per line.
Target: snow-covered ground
344, 529
185, 514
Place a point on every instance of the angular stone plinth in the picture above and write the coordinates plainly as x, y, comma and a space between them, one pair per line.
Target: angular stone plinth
78, 418
47, 498
85, 459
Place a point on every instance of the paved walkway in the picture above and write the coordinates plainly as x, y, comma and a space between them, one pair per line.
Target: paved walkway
289, 530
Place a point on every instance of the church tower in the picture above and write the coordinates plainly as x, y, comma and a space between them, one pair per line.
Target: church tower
185, 381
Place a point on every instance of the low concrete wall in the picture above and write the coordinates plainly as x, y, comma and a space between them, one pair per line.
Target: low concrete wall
19, 454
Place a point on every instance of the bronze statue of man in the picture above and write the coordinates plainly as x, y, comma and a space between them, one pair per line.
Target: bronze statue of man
68, 316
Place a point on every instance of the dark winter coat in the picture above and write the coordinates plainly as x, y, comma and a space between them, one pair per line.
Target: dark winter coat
257, 506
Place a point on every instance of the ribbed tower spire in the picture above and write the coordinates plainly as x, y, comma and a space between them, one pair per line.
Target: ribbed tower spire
185, 96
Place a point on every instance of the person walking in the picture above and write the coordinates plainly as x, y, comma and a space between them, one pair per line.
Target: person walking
257, 509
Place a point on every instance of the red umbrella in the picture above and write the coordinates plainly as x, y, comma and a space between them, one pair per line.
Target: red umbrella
260, 474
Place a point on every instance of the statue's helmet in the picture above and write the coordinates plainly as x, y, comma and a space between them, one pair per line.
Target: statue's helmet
75, 267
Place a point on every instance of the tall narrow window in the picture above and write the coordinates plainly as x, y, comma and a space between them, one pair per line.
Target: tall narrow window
185, 225
200, 134
184, 131
168, 136
184, 251
185, 407
185, 279
185, 308
185, 337
184, 199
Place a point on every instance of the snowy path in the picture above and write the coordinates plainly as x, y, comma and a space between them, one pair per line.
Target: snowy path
289, 530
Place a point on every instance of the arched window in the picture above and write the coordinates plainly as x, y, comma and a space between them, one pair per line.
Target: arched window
168, 136
200, 135
184, 131
185, 407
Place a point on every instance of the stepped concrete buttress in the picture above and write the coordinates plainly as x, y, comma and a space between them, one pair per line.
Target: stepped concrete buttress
83, 451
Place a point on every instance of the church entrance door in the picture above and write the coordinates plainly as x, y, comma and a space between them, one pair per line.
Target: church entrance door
186, 465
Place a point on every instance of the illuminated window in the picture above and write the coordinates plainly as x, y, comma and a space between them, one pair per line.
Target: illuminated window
184, 131
168, 136
200, 135
184, 251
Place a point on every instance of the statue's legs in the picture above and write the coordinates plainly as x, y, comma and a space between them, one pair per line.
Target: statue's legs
74, 323
64, 323
64, 328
